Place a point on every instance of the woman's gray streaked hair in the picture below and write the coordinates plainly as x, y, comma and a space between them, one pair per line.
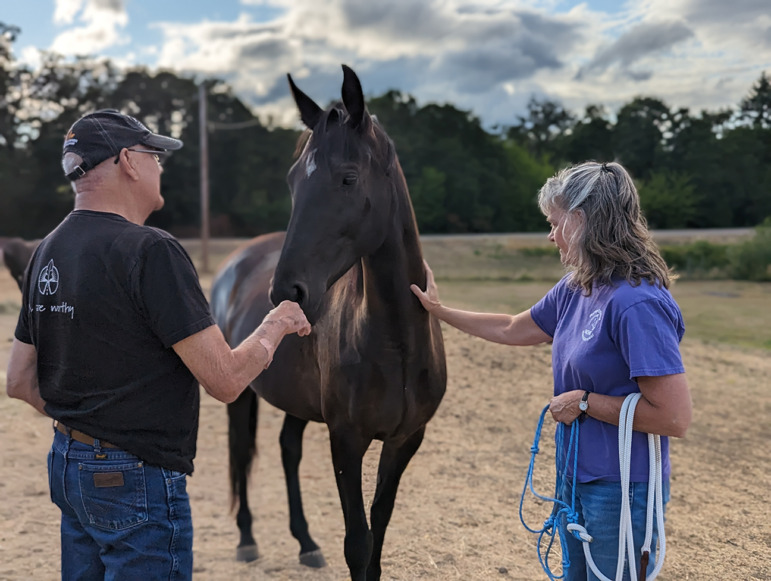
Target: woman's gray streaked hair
612, 239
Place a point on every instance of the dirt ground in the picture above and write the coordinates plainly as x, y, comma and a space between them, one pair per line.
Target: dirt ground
456, 515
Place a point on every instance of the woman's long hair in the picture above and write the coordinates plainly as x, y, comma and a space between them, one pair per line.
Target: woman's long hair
611, 239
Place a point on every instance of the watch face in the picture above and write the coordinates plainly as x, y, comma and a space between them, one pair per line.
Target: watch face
583, 406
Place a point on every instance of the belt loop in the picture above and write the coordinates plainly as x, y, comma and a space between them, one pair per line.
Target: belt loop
97, 447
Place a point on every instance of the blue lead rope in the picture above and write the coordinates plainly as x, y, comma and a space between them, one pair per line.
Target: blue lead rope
554, 524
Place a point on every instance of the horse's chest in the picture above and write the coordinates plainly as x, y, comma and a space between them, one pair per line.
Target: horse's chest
385, 394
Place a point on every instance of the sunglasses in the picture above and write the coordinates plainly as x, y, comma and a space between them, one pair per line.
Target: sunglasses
159, 155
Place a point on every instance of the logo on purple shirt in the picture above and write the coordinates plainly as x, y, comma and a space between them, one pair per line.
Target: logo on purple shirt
594, 320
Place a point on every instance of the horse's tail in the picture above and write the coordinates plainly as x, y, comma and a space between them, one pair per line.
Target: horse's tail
242, 442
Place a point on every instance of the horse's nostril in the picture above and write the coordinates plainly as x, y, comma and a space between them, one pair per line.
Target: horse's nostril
299, 294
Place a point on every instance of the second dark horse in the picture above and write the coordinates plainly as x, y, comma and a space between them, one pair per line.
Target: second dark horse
373, 367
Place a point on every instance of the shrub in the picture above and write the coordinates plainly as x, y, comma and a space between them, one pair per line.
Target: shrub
697, 259
751, 260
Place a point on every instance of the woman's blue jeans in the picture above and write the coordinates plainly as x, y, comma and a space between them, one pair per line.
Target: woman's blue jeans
598, 505
121, 518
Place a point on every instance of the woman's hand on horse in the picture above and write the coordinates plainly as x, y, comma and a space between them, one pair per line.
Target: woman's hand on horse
291, 315
430, 297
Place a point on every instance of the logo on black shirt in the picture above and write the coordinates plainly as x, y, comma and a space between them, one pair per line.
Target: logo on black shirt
48, 281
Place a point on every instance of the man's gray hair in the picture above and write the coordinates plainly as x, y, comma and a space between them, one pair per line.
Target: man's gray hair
70, 161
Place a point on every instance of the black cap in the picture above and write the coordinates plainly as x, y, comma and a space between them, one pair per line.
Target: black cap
103, 134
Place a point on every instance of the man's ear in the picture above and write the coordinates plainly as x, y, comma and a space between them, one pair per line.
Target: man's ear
127, 165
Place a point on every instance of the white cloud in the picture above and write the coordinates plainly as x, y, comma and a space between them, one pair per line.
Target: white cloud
66, 10
223, 47
441, 48
30, 57
487, 56
100, 24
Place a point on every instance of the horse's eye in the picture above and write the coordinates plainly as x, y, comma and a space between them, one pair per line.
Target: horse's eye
350, 179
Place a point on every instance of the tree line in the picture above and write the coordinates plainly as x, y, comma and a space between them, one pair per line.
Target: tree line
706, 170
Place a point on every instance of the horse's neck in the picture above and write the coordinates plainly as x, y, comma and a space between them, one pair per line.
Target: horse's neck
389, 271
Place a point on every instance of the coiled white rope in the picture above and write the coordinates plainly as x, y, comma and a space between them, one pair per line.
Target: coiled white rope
655, 500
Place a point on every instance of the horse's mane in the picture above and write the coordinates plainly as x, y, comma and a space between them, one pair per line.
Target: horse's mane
301, 142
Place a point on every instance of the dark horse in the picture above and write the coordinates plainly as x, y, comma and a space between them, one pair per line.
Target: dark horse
373, 367
16, 256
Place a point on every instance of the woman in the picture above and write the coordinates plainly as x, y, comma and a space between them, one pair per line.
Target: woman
615, 330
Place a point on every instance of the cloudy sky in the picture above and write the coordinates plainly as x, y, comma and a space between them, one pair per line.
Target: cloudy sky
486, 56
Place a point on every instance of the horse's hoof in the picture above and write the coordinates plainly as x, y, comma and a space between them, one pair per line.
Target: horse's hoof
313, 559
247, 554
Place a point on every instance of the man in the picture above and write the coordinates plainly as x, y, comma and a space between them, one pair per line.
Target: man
113, 338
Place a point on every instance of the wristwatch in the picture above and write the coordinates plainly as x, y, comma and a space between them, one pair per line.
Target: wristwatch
583, 405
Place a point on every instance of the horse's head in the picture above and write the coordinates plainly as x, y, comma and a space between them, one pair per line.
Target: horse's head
342, 188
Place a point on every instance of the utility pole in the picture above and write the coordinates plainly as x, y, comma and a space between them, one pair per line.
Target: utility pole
204, 143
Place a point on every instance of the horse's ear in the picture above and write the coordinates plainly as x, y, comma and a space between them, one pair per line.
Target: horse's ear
353, 96
309, 111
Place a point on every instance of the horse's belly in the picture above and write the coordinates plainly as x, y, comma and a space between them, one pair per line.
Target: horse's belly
291, 382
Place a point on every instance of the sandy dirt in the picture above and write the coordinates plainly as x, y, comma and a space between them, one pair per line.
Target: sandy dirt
456, 514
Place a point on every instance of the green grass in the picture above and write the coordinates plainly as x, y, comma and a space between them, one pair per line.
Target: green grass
733, 312
493, 275
729, 312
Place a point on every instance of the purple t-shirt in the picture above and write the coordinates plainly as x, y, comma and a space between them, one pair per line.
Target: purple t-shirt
601, 344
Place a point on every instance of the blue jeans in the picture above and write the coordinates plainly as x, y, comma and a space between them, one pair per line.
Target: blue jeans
598, 505
121, 518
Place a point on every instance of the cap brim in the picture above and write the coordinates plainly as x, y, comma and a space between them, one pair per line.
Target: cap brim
162, 142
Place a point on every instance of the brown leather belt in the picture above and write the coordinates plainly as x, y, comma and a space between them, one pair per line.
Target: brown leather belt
79, 436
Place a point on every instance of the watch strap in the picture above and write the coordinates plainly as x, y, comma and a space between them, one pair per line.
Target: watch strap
584, 405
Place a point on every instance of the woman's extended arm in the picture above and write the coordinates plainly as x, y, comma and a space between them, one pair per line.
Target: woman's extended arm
498, 327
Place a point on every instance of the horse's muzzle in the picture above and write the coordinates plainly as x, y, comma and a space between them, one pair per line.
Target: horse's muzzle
297, 292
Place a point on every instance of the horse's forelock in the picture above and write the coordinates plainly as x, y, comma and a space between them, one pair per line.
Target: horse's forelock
370, 126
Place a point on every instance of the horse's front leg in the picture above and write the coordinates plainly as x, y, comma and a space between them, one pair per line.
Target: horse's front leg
348, 449
393, 461
291, 440
242, 434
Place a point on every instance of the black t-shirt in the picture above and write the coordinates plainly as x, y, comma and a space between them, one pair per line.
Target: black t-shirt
104, 301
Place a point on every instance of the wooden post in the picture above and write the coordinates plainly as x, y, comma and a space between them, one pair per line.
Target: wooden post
204, 143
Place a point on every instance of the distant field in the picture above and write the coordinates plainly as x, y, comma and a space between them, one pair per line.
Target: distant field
510, 272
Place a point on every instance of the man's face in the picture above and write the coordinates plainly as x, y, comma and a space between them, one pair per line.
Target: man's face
149, 164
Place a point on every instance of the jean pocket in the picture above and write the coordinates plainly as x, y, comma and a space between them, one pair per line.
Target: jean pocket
173, 474
114, 495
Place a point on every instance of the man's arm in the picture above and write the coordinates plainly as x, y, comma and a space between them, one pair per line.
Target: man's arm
224, 372
21, 377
